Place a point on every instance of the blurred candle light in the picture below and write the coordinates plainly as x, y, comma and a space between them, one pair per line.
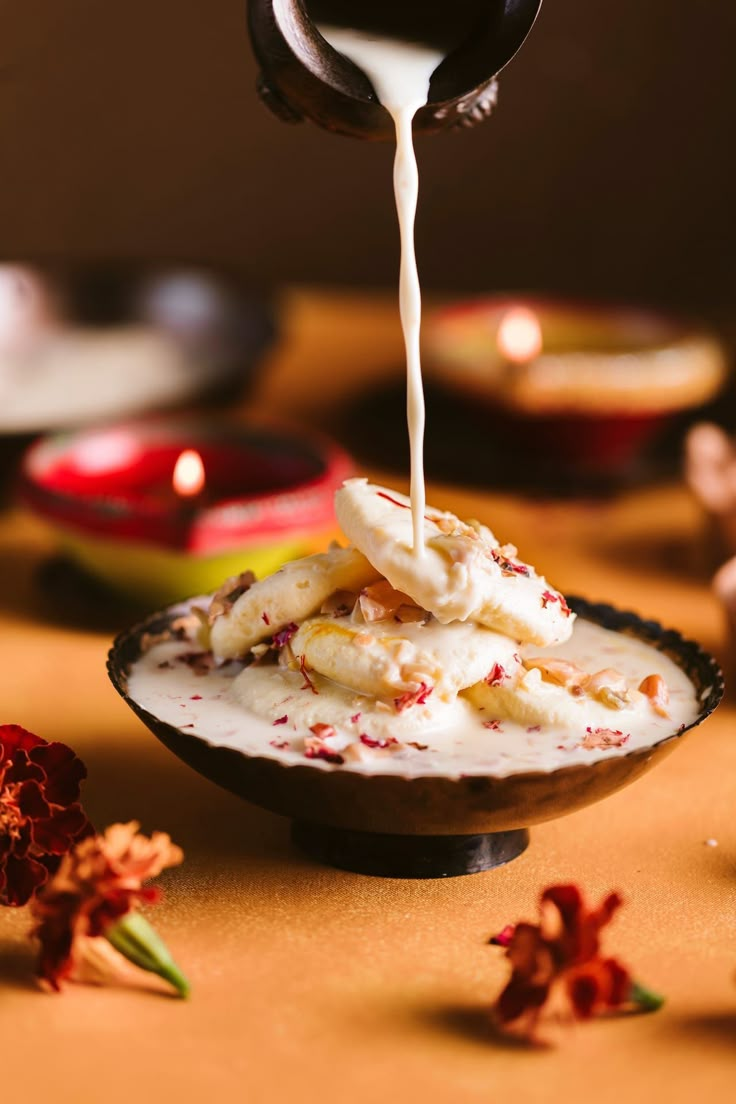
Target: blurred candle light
161, 509
188, 479
519, 336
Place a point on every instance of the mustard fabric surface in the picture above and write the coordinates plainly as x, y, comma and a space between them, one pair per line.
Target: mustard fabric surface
310, 984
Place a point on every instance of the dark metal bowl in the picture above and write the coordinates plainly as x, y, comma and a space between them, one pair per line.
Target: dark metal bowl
430, 805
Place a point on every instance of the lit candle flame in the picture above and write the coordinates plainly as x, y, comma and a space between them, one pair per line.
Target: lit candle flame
520, 335
188, 478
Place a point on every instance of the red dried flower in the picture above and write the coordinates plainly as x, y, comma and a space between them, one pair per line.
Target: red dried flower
304, 671
98, 883
413, 697
497, 675
40, 814
283, 636
557, 964
381, 745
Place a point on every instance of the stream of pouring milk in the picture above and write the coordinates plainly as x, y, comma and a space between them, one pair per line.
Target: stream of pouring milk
400, 73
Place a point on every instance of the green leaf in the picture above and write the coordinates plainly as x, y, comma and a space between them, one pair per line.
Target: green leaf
134, 938
644, 999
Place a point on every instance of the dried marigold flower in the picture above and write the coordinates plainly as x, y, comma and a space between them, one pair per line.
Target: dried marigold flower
557, 964
40, 813
93, 896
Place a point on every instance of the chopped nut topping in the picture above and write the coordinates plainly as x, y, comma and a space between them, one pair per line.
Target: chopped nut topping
225, 598
609, 678
504, 557
380, 602
323, 731
655, 688
559, 671
339, 604
614, 699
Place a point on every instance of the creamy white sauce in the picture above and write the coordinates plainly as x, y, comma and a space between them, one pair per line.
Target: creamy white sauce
453, 736
268, 710
400, 73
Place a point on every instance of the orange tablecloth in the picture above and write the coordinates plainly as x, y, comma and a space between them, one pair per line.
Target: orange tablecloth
316, 985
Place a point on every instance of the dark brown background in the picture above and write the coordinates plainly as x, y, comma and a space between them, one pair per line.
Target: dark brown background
132, 129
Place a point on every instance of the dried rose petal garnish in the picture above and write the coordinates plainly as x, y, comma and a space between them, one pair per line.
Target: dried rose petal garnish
509, 567
550, 596
558, 968
303, 670
497, 675
316, 748
413, 697
604, 738
281, 638
93, 897
372, 742
40, 813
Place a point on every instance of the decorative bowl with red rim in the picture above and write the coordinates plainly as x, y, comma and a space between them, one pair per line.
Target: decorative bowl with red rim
251, 497
583, 384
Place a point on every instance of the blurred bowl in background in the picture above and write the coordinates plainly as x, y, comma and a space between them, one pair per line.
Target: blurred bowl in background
578, 386
163, 509
81, 345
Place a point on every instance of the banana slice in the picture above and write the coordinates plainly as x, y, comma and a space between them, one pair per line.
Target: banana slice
403, 662
291, 594
531, 700
463, 575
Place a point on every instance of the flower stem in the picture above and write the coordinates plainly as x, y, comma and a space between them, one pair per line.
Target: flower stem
644, 999
134, 937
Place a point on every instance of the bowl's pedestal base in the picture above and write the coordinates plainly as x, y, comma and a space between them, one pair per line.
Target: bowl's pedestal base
408, 856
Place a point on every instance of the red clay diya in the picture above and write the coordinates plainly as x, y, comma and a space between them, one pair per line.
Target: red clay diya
160, 510
583, 386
